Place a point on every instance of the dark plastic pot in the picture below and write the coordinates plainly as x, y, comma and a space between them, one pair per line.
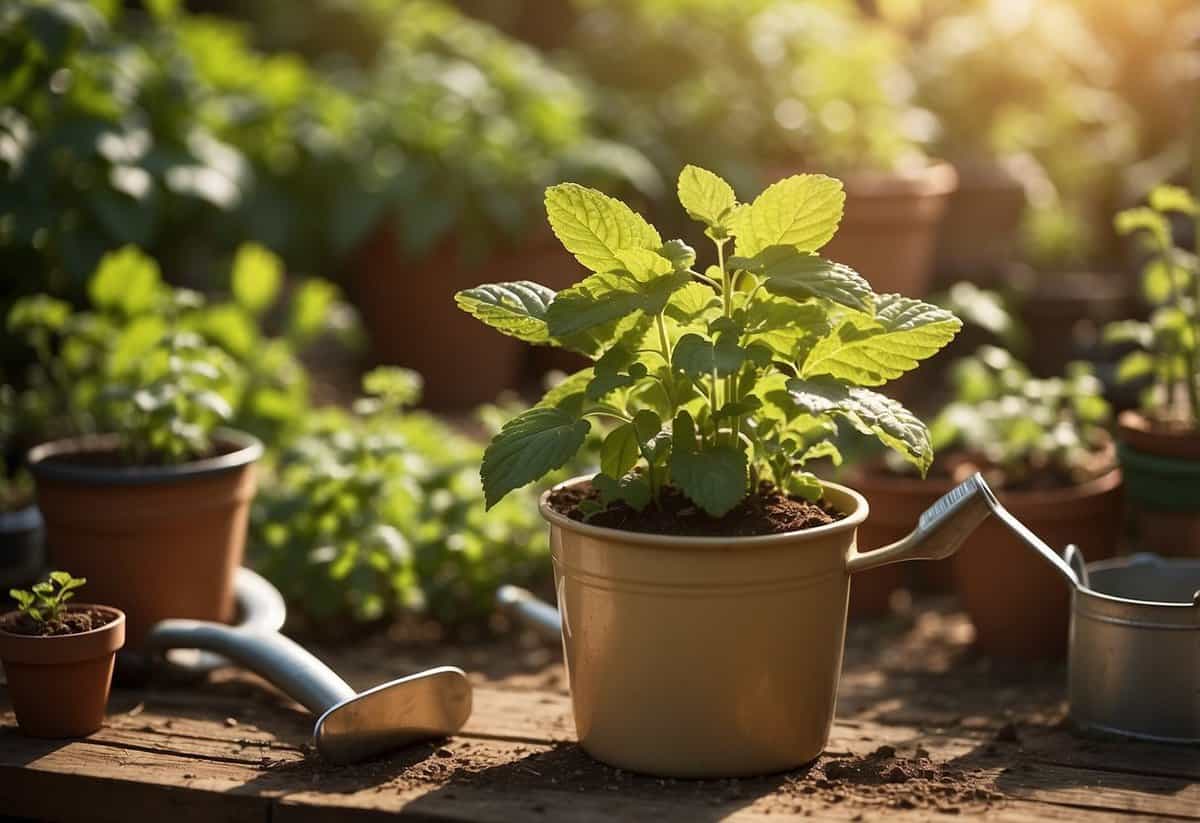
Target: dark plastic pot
1162, 480
155, 541
21, 547
59, 685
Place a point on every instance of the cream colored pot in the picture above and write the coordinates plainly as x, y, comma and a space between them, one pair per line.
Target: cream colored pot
711, 657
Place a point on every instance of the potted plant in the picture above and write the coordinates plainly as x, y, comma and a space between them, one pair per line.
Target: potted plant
149, 499
1159, 444
58, 658
702, 530
1043, 446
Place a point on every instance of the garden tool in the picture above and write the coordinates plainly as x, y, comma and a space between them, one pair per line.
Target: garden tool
351, 726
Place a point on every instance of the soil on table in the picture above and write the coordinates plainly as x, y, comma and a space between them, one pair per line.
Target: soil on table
75, 621
770, 511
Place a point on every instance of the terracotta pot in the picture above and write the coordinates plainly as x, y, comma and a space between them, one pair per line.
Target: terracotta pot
706, 656
896, 506
59, 685
1019, 605
1162, 476
981, 228
156, 541
411, 318
21, 541
890, 227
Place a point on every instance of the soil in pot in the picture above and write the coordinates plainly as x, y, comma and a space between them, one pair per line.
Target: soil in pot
890, 227
156, 541
1162, 474
59, 676
412, 320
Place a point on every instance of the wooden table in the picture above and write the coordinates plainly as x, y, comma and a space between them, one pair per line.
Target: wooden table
924, 731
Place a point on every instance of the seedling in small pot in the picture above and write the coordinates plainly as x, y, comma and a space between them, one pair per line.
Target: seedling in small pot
715, 378
45, 604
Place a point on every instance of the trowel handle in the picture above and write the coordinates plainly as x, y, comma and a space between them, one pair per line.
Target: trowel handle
525, 607
283, 662
940, 531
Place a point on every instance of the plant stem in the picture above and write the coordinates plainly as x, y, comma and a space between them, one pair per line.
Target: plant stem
664, 341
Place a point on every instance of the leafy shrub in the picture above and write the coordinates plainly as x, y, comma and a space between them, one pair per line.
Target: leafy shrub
1169, 344
376, 512
1020, 431
164, 366
716, 379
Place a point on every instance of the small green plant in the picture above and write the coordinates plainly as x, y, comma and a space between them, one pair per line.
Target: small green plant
164, 367
716, 378
47, 601
1169, 344
1020, 431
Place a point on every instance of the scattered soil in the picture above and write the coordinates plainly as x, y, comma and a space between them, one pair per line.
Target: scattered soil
770, 511
74, 621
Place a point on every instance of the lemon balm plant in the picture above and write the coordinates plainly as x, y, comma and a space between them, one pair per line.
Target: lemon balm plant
717, 385
717, 378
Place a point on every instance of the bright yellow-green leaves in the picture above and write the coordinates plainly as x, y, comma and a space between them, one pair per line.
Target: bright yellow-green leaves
691, 367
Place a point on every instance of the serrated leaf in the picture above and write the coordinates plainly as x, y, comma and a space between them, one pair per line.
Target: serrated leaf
631, 488
619, 451
805, 485
802, 212
871, 352
517, 309
782, 324
643, 265
706, 197
593, 226
799, 275
603, 298
714, 479
681, 255
870, 412
694, 303
825, 448
529, 446
257, 276
572, 386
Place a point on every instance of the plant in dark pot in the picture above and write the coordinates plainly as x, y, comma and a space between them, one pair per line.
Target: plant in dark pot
58, 658
1044, 448
703, 534
1159, 445
149, 498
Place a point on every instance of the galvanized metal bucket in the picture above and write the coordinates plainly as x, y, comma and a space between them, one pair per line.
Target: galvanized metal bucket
1135, 647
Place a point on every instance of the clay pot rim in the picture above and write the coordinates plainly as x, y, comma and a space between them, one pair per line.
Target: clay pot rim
64, 649
936, 178
851, 521
246, 449
898, 484
1137, 432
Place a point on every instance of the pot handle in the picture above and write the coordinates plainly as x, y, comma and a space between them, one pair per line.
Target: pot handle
941, 529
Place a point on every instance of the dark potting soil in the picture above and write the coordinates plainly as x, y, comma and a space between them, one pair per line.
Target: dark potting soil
770, 511
75, 621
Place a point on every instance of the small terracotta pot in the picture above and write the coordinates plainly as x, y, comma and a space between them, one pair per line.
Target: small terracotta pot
59, 685
1019, 605
980, 231
706, 657
1162, 476
155, 541
890, 227
412, 320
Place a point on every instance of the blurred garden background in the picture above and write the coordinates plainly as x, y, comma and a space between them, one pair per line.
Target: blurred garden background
306, 185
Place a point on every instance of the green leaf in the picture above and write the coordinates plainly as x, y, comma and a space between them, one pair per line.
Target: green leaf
805, 485
653, 442
593, 226
310, 308
683, 433
1144, 219
798, 275
1129, 331
126, 281
825, 448
257, 276
869, 353
1173, 198
782, 324
603, 298
714, 479
39, 311
619, 451
802, 211
642, 265
706, 197
1134, 365
681, 255
631, 488
517, 309
870, 412
529, 446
